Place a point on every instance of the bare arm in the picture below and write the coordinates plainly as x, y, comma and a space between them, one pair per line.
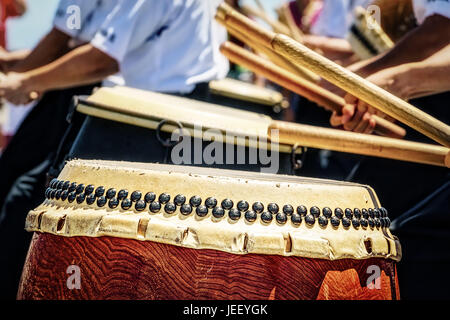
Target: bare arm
416, 46
84, 65
51, 47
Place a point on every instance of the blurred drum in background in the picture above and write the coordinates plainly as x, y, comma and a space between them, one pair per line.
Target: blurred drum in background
134, 125
117, 230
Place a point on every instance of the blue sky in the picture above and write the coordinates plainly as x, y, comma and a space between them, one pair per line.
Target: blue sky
25, 32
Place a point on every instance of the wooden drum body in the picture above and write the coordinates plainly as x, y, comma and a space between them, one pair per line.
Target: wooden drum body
117, 230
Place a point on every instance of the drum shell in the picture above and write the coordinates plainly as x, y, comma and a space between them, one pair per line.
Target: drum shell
115, 268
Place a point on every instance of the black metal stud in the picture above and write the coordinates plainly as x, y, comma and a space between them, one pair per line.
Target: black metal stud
164, 198
348, 213
364, 223
323, 221
251, 216
365, 213
339, 213
288, 209
150, 197
89, 189
218, 212
388, 222
302, 210
186, 209
71, 197
267, 217
243, 206
335, 221
136, 196
296, 219
377, 213
273, 208
371, 213
113, 203
227, 204
327, 212
90, 199
122, 194
111, 193
384, 212
100, 191
310, 219
355, 223
201, 211
315, 211
59, 185
258, 207
52, 194
64, 195
377, 223
140, 205
210, 202
346, 222
53, 183
126, 204
80, 188
371, 222
179, 199
72, 187
281, 217
195, 201
101, 201
58, 194
47, 192
234, 214
170, 207
66, 185
357, 213
155, 207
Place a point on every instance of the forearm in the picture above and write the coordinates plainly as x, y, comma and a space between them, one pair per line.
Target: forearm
416, 46
332, 45
84, 65
50, 48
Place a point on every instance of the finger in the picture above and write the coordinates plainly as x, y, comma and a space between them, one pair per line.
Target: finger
371, 123
348, 111
335, 120
350, 126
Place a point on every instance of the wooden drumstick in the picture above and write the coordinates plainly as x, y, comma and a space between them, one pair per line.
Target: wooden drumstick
357, 143
147, 109
276, 25
273, 56
300, 86
341, 77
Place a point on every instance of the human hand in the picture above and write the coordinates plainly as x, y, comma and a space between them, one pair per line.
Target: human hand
17, 89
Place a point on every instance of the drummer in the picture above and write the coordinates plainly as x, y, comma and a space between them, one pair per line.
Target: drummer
417, 195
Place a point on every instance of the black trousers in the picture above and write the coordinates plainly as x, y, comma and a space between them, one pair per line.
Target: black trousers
23, 169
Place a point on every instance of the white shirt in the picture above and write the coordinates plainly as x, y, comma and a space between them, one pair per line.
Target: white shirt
165, 46
425, 8
91, 15
336, 17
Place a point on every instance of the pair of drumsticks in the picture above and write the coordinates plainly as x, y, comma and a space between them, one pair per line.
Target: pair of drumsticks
290, 58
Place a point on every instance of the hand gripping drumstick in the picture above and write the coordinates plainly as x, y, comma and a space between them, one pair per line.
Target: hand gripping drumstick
300, 86
339, 76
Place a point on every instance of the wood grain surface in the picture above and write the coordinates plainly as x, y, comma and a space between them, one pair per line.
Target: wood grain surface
116, 268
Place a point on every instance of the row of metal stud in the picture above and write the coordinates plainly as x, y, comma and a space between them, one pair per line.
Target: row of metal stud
71, 191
